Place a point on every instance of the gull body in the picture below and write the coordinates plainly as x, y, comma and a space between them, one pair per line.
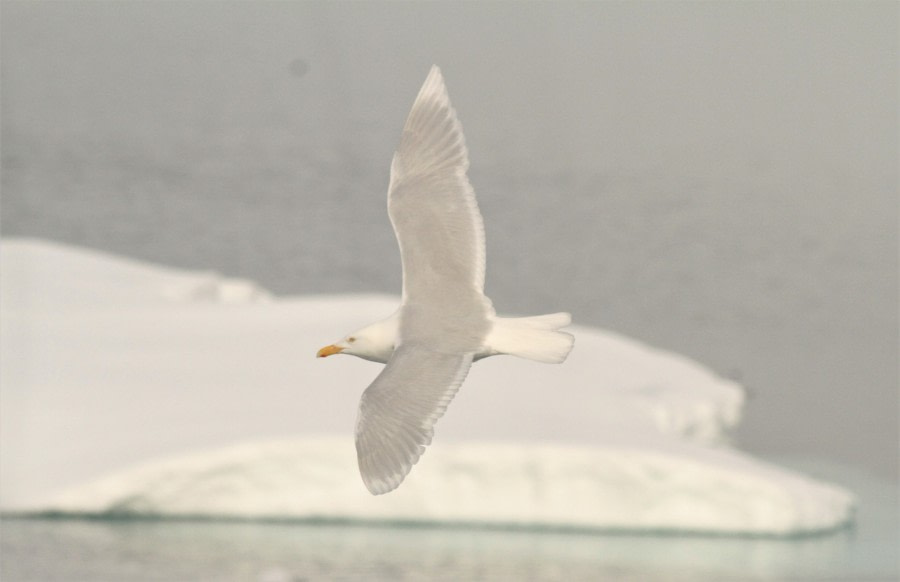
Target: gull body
516, 336
445, 321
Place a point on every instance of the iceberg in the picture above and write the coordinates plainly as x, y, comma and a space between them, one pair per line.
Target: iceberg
130, 388
658, 489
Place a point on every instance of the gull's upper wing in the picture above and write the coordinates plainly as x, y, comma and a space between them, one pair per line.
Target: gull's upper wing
398, 410
432, 205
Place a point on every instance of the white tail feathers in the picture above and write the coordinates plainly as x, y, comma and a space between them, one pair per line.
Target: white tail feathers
534, 338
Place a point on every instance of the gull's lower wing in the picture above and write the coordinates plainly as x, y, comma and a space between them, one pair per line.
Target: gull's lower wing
431, 203
398, 410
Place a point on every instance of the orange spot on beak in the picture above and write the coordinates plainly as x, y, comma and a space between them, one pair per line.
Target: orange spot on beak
329, 351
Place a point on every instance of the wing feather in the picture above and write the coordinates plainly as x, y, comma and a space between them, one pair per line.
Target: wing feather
397, 412
432, 205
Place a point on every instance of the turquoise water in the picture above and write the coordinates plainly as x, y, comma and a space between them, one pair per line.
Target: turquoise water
40, 549
137, 550
172, 550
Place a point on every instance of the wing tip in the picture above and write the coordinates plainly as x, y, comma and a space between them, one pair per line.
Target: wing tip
382, 485
379, 487
432, 135
434, 74
434, 84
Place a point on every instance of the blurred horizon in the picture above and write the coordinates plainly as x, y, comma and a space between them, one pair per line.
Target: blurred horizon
718, 180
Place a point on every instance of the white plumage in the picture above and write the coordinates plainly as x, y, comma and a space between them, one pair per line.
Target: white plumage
445, 321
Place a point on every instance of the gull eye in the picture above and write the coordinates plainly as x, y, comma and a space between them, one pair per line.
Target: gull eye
351, 339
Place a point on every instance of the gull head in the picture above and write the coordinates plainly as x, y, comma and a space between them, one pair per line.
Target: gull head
374, 342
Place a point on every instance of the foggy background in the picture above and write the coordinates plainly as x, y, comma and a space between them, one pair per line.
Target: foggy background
718, 179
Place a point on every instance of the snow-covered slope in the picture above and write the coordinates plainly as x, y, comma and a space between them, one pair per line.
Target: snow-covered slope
109, 364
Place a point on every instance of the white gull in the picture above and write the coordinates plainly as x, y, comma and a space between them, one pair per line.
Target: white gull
445, 321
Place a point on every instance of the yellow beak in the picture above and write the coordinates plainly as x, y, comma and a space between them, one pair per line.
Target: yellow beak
329, 351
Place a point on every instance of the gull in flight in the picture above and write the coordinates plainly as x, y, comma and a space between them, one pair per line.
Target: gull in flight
445, 322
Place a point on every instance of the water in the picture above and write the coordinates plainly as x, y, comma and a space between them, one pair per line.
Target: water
137, 550
171, 550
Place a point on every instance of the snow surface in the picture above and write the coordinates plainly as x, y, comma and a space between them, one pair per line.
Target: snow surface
113, 369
